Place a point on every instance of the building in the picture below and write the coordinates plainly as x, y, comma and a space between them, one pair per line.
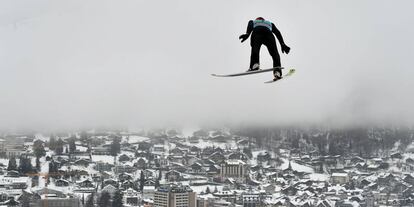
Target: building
131, 197
148, 192
213, 202
14, 182
2, 145
233, 169
158, 149
125, 168
52, 201
339, 178
103, 166
252, 198
12, 146
174, 196
54, 198
101, 150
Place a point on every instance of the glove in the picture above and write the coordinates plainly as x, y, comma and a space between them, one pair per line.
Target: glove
285, 49
243, 37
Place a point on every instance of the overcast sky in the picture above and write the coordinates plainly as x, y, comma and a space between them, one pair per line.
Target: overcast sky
129, 63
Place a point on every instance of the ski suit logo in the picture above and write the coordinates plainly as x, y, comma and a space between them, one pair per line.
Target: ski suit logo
262, 23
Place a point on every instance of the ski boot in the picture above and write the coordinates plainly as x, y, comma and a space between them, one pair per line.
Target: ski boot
255, 66
277, 74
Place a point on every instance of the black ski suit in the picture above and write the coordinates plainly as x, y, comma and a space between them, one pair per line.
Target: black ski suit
262, 33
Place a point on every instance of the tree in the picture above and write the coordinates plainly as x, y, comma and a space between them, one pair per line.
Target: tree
53, 167
172, 133
259, 176
25, 165
52, 142
25, 199
215, 190
72, 145
37, 163
295, 143
248, 152
159, 174
157, 183
117, 200
104, 200
123, 158
115, 147
59, 147
39, 149
84, 136
89, 201
12, 164
142, 181
208, 190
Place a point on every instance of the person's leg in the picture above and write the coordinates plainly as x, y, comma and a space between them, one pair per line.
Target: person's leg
256, 44
272, 48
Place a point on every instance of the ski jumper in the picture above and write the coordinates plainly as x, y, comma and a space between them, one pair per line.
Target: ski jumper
262, 34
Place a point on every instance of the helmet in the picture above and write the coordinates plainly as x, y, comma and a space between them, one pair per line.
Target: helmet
260, 18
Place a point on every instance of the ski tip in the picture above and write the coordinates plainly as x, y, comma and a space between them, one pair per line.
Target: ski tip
289, 73
217, 75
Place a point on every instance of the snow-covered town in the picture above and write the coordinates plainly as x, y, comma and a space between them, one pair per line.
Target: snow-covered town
281, 167
216, 103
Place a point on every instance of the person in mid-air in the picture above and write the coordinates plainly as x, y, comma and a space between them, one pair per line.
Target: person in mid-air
262, 33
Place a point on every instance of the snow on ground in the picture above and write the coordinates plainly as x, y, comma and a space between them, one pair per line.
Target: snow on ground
81, 148
44, 169
170, 146
206, 196
396, 146
5, 162
49, 152
255, 153
202, 188
295, 166
410, 147
319, 177
28, 144
134, 139
66, 189
130, 154
42, 137
204, 144
33, 161
408, 154
394, 169
336, 188
103, 158
284, 152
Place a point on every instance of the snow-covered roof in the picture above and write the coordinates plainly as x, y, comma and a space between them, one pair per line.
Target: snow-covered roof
235, 162
339, 174
149, 188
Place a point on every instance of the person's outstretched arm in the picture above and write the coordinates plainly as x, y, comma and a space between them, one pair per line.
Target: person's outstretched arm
249, 27
285, 48
249, 30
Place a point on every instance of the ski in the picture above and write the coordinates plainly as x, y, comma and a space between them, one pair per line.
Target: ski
246, 73
289, 73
